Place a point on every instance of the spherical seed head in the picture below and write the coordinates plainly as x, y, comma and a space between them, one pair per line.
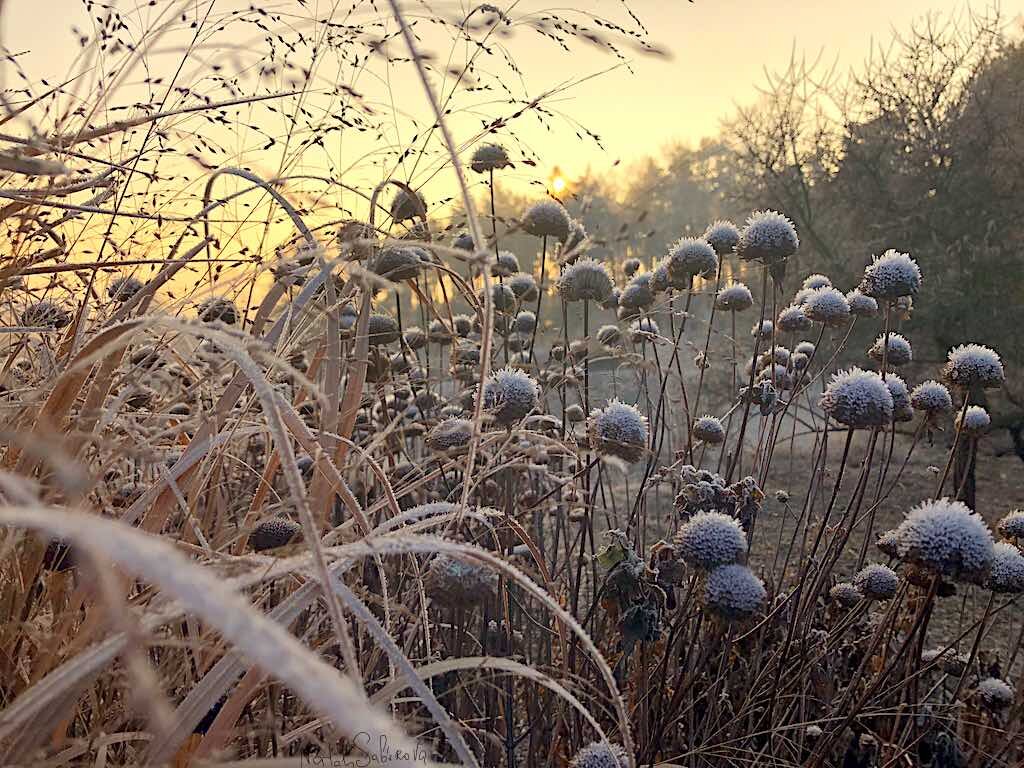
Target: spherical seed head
709, 540
502, 297
600, 754
630, 267
124, 288
523, 286
438, 332
777, 375
769, 237
691, 257
723, 236
777, 354
734, 593
510, 395
763, 330
399, 263
1006, 574
462, 324
816, 281
802, 295
793, 320
1012, 526
459, 583
828, 307
450, 435
845, 594
612, 302
975, 422
888, 543
734, 298
798, 361
274, 533
609, 335
858, 399
899, 353
643, 329
709, 429
974, 364
464, 242
932, 398
45, 314
506, 264
901, 408
218, 309
861, 305
661, 280
525, 322
489, 157
804, 348
547, 218
638, 292
891, 276
415, 337
576, 238
618, 430
586, 280
382, 329
995, 694
876, 581
946, 537
405, 206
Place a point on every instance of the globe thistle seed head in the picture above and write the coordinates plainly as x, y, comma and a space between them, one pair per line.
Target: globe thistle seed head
523, 285
888, 543
415, 337
975, 422
801, 296
876, 581
858, 399
734, 298
638, 292
661, 279
510, 395
793, 320
1012, 526
769, 237
574, 242
406, 206
1006, 574
439, 333
734, 593
763, 330
947, 538
382, 330
974, 364
219, 309
828, 307
505, 264
709, 430
723, 236
931, 397
995, 694
609, 335
457, 583
845, 594
612, 302
618, 430
901, 409
643, 329
273, 533
525, 322
462, 325
547, 218
489, 157
711, 539
861, 305
891, 276
124, 288
600, 754
450, 435
777, 375
630, 267
502, 297
463, 241
45, 314
798, 361
691, 257
586, 280
805, 348
898, 354
397, 264
816, 281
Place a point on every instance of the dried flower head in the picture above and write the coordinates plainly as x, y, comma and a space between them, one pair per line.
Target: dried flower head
510, 395
463, 241
609, 335
723, 236
946, 537
638, 292
273, 533
734, 298
525, 322
572, 248
218, 309
618, 430
899, 352
858, 399
763, 330
828, 307
600, 754
690, 257
489, 157
1012, 526
450, 435
804, 348
931, 397
643, 329
586, 280
1006, 574
995, 694
711, 539
458, 583
630, 267
861, 305
399, 263
973, 364
769, 237
901, 408
438, 332
734, 593
876, 581
124, 288
793, 320
523, 285
891, 276
816, 281
975, 422
406, 206
709, 429
547, 218
45, 314
845, 594
415, 337
382, 329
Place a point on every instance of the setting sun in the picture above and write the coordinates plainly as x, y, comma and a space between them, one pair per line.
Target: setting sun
558, 182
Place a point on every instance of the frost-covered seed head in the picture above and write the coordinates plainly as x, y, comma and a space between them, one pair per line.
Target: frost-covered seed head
734, 593
764, 329
630, 267
510, 395
1012, 526
462, 324
586, 280
801, 296
828, 307
723, 236
793, 320
946, 537
438, 332
609, 335
816, 281
899, 353
805, 348
405, 206
382, 330
547, 218
618, 430
450, 435
689, 257
974, 364
600, 754
523, 285
643, 329
464, 242
505, 264
575, 414
901, 409
1006, 574
525, 322
709, 429
45, 314
798, 361
458, 583
845, 594
778, 355
995, 694
218, 309
891, 276
734, 298
931, 397
573, 244
975, 422
710, 539
876, 581
415, 337
489, 157
861, 305
888, 543
858, 399
273, 533
638, 292
398, 263
124, 288
769, 237
661, 279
